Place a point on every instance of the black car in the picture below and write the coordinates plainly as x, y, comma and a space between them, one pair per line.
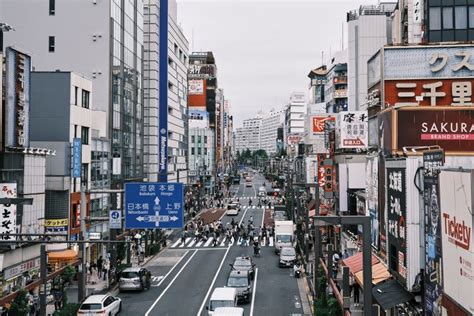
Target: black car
244, 264
241, 281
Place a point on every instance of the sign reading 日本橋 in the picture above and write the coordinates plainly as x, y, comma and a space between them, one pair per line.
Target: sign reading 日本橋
153, 205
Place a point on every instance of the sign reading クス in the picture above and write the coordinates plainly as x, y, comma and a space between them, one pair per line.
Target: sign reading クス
152, 205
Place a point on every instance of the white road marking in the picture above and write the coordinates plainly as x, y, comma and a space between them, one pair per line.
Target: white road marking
185, 242
171, 283
199, 243
191, 243
271, 242
222, 242
243, 216
212, 284
176, 243
208, 242
253, 292
263, 217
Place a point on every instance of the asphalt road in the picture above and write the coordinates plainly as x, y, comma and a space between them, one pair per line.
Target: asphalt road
184, 277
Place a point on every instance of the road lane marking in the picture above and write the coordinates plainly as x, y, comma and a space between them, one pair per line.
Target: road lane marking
171, 283
263, 218
199, 243
253, 292
191, 243
243, 216
212, 284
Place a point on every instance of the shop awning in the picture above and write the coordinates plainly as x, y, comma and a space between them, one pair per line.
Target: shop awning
379, 274
355, 263
62, 256
390, 294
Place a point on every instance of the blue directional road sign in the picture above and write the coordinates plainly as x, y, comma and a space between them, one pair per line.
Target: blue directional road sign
154, 205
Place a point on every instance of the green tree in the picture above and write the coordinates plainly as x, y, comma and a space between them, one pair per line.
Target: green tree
20, 304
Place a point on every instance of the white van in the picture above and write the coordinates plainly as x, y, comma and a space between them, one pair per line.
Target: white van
229, 311
222, 297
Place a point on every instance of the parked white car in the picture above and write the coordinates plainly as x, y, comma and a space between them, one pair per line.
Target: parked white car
100, 305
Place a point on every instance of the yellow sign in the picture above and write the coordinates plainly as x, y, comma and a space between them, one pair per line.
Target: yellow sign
56, 222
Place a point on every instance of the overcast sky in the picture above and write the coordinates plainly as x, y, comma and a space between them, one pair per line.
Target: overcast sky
264, 49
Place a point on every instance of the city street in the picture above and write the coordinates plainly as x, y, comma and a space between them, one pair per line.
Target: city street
184, 276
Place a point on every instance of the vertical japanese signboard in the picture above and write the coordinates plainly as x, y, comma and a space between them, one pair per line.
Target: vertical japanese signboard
76, 157
8, 211
372, 198
396, 209
457, 221
352, 130
432, 161
17, 98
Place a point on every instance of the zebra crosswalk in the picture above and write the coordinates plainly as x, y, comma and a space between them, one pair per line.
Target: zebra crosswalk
212, 242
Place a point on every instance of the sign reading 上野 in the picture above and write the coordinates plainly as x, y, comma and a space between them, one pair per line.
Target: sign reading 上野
396, 209
7, 212
457, 221
433, 160
352, 129
17, 101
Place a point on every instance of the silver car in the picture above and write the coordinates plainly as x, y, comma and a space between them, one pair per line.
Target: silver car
134, 279
287, 257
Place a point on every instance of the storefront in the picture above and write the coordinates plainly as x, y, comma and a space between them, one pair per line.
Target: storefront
18, 276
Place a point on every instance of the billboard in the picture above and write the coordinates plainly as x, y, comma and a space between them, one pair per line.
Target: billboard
294, 139
196, 87
372, 189
17, 99
455, 189
318, 123
352, 129
429, 92
8, 212
198, 118
396, 214
317, 130
451, 128
163, 94
418, 62
432, 161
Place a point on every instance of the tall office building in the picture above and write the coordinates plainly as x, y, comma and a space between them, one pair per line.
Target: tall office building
177, 93
269, 130
108, 49
248, 136
369, 30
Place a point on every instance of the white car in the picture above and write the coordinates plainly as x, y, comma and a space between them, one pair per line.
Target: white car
233, 209
100, 305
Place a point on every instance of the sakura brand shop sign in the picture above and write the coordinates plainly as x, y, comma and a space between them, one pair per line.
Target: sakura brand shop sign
457, 221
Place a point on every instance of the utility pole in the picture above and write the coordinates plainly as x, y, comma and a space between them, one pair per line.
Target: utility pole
82, 290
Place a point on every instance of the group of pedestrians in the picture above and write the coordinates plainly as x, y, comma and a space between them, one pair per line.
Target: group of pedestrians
97, 269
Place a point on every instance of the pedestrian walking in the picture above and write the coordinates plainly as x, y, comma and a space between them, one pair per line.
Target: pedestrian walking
100, 262
214, 241
356, 289
105, 269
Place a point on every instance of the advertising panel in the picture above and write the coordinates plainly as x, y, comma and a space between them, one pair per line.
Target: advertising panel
198, 118
17, 98
196, 87
372, 198
429, 92
294, 139
432, 161
352, 129
8, 212
428, 62
456, 236
396, 209
318, 127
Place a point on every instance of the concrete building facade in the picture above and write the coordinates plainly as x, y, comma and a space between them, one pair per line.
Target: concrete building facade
269, 130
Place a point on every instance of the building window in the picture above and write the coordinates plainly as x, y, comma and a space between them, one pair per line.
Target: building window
170, 86
460, 17
205, 139
175, 48
85, 135
193, 139
471, 17
52, 7
170, 61
205, 151
85, 99
76, 92
75, 131
85, 173
199, 150
51, 44
192, 150
199, 139
448, 18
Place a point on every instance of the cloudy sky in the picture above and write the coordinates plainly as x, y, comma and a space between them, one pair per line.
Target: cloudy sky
264, 49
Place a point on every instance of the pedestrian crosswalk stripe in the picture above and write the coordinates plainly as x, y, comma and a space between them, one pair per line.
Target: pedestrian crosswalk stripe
223, 242
208, 242
271, 242
199, 243
185, 242
191, 243
176, 243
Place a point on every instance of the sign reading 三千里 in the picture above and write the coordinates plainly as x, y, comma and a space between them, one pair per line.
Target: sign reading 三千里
457, 222
396, 209
352, 129
7, 212
433, 160
115, 219
76, 157
153, 205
